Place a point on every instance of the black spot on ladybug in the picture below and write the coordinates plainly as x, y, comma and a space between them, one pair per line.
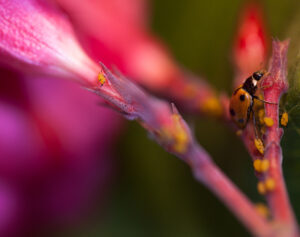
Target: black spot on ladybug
232, 113
242, 97
241, 120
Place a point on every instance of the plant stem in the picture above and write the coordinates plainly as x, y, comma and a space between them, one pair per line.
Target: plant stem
278, 199
216, 181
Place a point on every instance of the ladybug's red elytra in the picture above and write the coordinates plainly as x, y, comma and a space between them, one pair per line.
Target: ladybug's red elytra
241, 102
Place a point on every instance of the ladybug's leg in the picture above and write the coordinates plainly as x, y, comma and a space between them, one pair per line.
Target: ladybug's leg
266, 86
267, 102
254, 124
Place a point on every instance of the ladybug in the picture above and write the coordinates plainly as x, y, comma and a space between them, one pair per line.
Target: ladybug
241, 102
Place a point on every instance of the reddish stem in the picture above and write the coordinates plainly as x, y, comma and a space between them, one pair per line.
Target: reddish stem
276, 84
216, 181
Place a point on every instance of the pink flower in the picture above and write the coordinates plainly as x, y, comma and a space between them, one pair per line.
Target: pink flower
54, 141
55, 126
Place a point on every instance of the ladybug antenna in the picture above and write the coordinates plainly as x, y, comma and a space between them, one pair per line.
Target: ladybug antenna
267, 102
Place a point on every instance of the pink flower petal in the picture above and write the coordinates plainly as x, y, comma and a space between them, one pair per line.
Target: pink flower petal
112, 33
55, 151
131, 13
36, 34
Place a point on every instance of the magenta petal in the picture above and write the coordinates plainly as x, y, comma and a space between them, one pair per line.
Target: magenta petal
85, 132
106, 13
34, 33
55, 152
112, 32
9, 209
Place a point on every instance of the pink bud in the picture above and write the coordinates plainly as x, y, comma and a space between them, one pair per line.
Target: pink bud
250, 47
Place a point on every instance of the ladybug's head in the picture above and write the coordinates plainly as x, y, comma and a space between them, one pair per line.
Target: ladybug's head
259, 74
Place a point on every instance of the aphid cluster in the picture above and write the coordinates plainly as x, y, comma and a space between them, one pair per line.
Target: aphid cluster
242, 107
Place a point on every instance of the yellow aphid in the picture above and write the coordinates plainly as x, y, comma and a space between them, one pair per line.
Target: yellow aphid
257, 165
284, 119
181, 141
180, 135
262, 209
264, 166
261, 115
259, 145
101, 79
239, 132
269, 122
270, 184
261, 188
211, 106
261, 166
175, 135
